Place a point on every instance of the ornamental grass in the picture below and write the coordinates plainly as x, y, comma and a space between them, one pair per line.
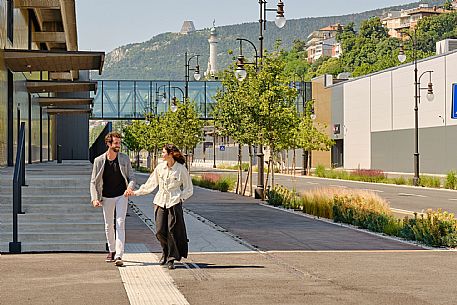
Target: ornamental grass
369, 211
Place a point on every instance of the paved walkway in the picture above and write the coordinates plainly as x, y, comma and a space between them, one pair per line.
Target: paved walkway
240, 253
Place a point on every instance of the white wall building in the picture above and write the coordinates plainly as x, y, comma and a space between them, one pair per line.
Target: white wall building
378, 118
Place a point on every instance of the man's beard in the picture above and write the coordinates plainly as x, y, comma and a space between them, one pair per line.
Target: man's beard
115, 149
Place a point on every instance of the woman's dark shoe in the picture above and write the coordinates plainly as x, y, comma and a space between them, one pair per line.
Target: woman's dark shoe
163, 260
171, 265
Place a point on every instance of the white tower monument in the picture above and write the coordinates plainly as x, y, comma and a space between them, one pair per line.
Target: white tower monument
212, 61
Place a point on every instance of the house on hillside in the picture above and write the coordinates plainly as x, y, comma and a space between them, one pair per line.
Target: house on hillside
323, 43
398, 21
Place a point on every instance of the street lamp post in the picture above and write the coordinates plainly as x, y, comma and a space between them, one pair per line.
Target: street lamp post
214, 146
196, 70
174, 106
417, 89
280, 21
163, 95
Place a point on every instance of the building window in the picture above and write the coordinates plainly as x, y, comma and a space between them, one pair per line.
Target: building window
10, 19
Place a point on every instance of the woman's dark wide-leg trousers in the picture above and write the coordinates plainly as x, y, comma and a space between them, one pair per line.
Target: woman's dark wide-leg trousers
171, 231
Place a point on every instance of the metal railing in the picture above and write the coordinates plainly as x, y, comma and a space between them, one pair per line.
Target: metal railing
18, 182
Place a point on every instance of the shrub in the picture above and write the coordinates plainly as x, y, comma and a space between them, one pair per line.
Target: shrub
367, 210
399, 180
434, 228
378, 176
368, 175
320, 171
244, 166
215, 181
451, 180
142, 169
429, 181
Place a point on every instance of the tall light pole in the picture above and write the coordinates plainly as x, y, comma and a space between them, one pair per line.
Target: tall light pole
417, 89
280, 21
196, 70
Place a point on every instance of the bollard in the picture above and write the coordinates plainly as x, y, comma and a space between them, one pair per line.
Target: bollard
59, 153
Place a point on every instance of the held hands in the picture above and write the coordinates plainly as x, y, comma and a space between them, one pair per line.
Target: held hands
129, 192
96, 203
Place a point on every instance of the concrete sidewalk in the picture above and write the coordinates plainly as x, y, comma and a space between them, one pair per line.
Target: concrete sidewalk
240, 253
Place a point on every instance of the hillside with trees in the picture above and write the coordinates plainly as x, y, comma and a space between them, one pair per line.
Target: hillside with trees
162, 57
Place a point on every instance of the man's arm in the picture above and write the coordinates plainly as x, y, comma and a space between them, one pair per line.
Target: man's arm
93, 187
130, 175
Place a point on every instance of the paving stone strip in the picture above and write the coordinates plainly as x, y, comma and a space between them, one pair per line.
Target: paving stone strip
145, 281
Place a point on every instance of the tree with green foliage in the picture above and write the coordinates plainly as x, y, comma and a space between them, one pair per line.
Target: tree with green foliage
152, 137
235, 111
430, 30
132, 134
369, 50
447, 5
183, 127
296, 59
278, 114
259, 110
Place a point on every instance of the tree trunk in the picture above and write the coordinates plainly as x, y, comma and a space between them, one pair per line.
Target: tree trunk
267, 176
287, 161
246, 182
272, 168
294, 161
310, 162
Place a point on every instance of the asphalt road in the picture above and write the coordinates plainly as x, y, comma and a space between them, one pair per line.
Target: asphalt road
402, 199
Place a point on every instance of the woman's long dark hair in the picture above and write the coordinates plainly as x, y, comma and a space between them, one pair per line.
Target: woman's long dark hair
177, 156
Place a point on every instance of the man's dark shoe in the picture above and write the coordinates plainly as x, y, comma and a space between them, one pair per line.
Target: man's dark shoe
110, 257
163, 260
171, 265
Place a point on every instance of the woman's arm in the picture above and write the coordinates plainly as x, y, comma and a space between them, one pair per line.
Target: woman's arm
150, 185
188, 188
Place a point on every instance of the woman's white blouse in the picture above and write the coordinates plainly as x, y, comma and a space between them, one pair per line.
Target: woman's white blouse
174, 183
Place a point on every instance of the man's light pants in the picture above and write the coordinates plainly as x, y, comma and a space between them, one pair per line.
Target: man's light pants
109, 205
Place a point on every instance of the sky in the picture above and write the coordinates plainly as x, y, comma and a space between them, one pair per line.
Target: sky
104, 25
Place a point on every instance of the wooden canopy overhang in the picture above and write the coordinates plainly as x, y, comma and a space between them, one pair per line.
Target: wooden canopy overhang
60, 101
56, 110
60, 86
53, 61
55, 22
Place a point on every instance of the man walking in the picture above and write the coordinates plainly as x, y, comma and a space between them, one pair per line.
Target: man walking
112, 177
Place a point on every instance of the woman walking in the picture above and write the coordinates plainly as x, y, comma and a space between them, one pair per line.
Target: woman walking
175, 186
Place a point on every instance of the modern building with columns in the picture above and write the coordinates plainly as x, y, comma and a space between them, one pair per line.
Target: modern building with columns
373, 118
44, 80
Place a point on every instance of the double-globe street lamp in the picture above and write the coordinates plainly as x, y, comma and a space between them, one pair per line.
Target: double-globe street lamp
417, 90
240, 73
187, 67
